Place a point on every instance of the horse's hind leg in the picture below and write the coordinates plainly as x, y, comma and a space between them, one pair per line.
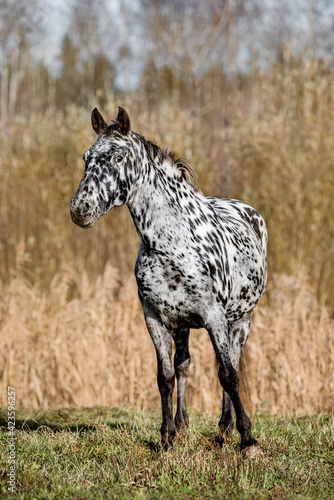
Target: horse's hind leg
181, 367
237, 334
226, 422
228, 377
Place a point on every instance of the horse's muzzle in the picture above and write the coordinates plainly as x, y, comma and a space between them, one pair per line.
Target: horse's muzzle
82, 214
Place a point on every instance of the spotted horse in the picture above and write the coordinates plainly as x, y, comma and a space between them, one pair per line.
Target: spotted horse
201, 262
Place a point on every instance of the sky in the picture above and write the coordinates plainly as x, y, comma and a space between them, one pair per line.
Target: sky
56, 19
56, 15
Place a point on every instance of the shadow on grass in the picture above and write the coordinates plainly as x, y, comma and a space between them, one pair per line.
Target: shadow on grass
72, 420
82, 420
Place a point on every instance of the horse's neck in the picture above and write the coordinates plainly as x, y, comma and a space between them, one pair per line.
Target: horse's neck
156, 210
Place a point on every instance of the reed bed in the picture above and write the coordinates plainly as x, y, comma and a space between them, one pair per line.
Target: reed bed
269, 142
94, 349
71, 326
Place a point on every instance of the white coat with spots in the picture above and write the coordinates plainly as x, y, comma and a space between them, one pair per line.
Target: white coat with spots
201, 263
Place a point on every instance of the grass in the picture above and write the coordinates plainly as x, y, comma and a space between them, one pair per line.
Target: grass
104, 453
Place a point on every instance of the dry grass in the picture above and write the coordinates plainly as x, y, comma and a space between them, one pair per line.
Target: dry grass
71, 327
269, 143
94, 349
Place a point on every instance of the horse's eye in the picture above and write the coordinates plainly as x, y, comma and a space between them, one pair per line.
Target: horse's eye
119, 158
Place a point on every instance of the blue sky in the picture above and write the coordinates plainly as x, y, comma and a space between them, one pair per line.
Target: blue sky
56, 14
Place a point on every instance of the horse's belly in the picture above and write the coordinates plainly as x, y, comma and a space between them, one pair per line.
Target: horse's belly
189, 292
175, 297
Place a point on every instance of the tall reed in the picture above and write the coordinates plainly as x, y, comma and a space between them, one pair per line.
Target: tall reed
94, 349
71, 326
269, 143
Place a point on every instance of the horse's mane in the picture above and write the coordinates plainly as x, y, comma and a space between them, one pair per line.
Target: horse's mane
156, 153
159, 155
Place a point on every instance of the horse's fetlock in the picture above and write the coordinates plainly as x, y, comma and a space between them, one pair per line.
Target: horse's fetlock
181, 420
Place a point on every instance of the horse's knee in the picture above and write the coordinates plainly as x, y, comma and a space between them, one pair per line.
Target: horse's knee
182, 367
166, 383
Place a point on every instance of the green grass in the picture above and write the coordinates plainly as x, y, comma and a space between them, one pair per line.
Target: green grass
102, 453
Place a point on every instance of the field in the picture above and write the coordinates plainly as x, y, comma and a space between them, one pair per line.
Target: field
102, 453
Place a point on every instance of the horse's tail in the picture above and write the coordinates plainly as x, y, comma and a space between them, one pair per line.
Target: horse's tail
244, 387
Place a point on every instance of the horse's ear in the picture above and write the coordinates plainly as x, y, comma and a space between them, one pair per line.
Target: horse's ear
123, 121
98, 123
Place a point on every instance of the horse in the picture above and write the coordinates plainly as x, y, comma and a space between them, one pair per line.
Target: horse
201, 262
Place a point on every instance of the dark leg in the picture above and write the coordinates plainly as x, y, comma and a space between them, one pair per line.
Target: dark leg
237, 336
229, 380
181, 367
226, 422
228, 341
162, 340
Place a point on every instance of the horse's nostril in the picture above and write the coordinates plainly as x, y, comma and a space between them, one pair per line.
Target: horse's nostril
73, 209
86, 207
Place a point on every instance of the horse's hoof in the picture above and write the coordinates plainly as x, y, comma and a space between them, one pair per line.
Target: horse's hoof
252, 451
224, 435
166, 442
166, 445
222, 439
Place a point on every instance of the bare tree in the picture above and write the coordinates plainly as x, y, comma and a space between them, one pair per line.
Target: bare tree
300, 27
321, 21
20, 25
194, 38
86, 68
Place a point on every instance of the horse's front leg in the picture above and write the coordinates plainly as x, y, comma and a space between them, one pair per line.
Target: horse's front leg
181, 366
162, 341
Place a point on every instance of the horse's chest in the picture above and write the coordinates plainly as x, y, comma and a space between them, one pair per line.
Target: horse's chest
171, 289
